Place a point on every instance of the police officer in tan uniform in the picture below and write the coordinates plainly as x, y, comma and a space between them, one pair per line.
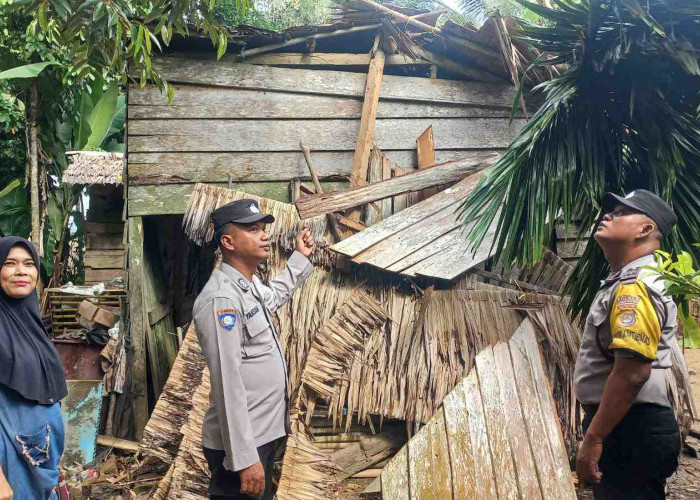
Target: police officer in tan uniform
248, 416
632, 441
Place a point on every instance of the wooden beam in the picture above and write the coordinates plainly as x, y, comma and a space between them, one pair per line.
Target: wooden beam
302, 59
360, 162
318, 36
319, 190
310, 206
173, 198
120, 444
138, 326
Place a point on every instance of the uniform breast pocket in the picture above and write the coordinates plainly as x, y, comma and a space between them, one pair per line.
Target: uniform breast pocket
257, 337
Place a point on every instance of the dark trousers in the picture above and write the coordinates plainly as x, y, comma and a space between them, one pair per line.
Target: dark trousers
638, 455
226, 484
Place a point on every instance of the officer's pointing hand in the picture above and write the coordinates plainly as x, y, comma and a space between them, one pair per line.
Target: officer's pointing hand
587, 462
305, 242
253, 480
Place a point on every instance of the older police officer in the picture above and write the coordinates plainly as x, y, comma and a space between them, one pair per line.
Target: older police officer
233, 316
632, 440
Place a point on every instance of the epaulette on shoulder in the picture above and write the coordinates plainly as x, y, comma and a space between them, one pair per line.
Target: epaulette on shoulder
630, 275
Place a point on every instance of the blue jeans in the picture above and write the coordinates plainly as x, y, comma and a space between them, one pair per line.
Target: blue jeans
31, 445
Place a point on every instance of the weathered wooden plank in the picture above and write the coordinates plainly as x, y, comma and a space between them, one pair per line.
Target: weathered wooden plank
454, 261
478, 434
309, 206
429, 461
546, 402
411, 215
211, 103
104, 227
138, 325
360, 162
461, 454
403, 243
100, 275
105, 241
535, 425
104, 259
173, 198
523, 459
394, 478
572, 249
332, 82
425, 149
177, 168
497, 426
328, 135
330, 59
375, 212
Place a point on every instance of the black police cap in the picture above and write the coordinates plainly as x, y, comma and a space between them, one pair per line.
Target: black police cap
240, 212
647, 203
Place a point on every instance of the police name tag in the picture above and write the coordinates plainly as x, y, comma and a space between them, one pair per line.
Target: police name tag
227, 318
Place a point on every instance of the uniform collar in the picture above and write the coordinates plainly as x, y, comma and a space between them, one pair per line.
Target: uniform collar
236, 276
646, 260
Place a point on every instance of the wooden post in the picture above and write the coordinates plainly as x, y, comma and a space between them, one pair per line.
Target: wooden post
33, 157
360, 162
139, 325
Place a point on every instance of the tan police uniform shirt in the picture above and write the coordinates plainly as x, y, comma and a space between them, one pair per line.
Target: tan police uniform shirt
233, 319
631, 315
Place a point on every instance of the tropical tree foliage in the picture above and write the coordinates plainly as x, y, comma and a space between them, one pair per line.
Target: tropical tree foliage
622, 115
682, 281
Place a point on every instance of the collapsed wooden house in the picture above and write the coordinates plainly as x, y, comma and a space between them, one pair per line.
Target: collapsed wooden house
393, 111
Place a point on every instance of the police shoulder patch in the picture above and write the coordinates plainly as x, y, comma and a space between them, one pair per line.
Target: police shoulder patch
227, 318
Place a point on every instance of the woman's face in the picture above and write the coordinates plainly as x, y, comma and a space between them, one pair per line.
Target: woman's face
19, 273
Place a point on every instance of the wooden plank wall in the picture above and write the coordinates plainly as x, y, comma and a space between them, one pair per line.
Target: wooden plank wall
242, 123
496, 435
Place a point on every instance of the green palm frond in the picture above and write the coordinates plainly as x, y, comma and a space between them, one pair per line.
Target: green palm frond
622, 115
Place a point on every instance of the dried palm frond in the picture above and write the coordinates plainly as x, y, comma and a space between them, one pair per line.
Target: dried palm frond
191, 472
163, 432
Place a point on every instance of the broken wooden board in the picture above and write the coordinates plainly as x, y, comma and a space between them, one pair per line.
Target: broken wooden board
444, 173
496, 436
425, 239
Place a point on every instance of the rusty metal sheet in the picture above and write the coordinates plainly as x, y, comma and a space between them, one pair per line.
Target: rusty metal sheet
80, 361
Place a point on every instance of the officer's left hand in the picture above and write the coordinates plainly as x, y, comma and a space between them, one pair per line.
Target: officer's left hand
305, 242
587, 462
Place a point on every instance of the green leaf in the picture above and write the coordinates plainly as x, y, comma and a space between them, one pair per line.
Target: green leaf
119, 116
26, 71
223, 42
83, 129
139, 40
12, 185
101, 117
691, 331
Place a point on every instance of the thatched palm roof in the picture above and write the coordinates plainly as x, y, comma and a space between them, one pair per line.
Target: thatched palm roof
94, 167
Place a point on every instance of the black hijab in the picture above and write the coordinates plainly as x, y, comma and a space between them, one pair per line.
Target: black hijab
29, 362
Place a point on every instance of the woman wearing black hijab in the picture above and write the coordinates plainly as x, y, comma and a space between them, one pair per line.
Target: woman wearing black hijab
31, 382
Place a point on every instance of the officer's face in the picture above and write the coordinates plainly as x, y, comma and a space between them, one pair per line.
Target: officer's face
248, 241
623, 224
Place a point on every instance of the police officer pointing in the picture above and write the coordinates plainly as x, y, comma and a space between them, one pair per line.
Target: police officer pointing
632, 441
248, 416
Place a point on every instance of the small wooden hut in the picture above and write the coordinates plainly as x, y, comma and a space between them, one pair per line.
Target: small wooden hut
368, 78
